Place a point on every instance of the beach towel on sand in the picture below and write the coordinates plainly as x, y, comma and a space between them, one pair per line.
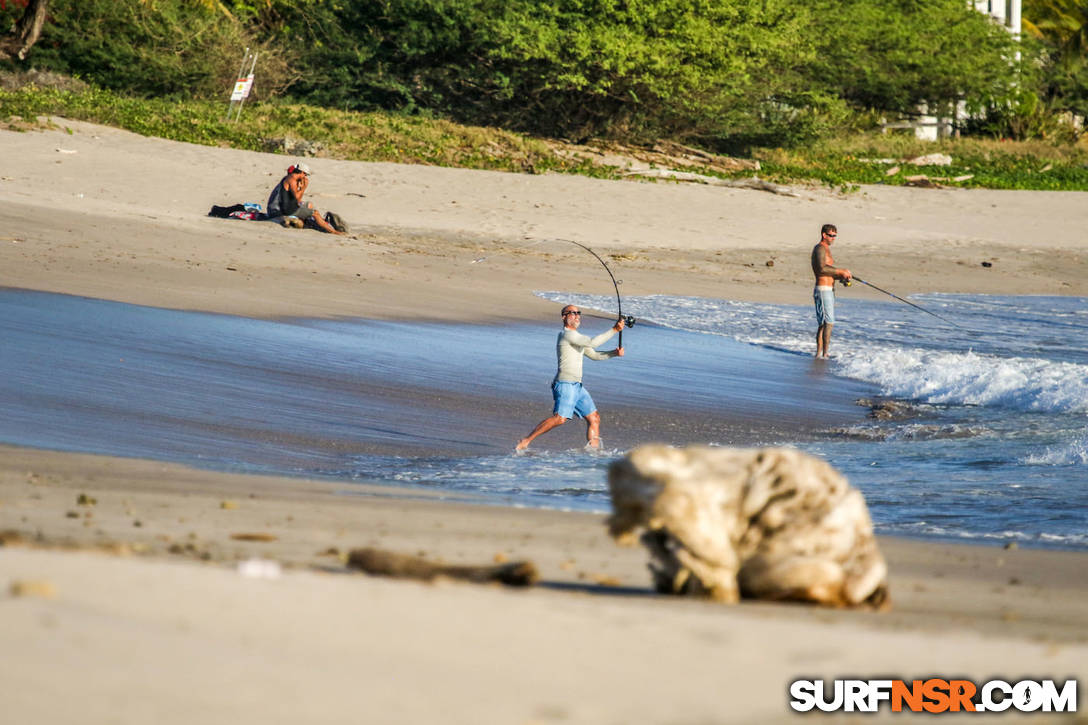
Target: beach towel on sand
248, 210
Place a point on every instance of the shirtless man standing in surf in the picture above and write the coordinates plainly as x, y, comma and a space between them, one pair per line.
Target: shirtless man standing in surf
571, 399
824, 294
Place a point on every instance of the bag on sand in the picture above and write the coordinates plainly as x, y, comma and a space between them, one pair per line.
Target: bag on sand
337, 222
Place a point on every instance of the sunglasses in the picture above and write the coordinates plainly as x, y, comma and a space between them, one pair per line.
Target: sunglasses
572, 312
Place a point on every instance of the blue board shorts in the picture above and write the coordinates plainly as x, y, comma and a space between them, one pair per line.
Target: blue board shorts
825, 305
571, 400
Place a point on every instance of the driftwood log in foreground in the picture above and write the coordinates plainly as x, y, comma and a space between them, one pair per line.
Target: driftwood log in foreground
726, 523
403, 566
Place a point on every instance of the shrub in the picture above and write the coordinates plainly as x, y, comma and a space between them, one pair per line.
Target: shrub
151, 47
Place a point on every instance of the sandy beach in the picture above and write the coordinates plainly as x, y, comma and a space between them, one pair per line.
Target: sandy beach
120, 578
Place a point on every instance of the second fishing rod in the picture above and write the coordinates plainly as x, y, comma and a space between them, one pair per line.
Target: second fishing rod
846, 283
895, 296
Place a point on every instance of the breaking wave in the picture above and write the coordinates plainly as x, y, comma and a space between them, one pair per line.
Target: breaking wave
988, 366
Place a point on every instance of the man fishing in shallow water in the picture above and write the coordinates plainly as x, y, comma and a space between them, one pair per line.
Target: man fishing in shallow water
824, 294
570, 397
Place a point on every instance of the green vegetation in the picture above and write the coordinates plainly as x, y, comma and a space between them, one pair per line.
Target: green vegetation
893, 56
800, 86
572, 68
990, 163
1060, 28
145, 47
725, 74
378, 136
351, 135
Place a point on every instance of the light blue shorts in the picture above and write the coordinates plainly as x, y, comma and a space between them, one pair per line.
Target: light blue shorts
571, 400
825, 306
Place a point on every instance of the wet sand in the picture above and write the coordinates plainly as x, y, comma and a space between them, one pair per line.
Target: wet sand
131, 609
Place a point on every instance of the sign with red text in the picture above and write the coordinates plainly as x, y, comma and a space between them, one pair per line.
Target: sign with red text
241, 88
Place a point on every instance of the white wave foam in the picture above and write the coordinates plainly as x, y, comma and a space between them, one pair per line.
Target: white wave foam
1069, 454
967, 378
924, 528
929, 365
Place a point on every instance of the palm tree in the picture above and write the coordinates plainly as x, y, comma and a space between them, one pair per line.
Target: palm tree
1062, 27
1062, 24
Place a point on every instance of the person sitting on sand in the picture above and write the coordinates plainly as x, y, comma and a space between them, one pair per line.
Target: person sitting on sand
285, 205
824, 294
571, 399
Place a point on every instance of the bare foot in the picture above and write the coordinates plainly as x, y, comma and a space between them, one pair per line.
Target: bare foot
522, 444
593, 443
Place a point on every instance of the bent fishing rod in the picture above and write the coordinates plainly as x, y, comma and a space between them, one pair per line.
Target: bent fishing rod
628, 320
923, 309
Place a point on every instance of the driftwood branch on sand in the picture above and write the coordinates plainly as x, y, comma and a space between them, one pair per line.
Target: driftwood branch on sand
753, 182
402, 566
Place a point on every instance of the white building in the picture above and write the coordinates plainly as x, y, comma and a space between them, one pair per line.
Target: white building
1005, 12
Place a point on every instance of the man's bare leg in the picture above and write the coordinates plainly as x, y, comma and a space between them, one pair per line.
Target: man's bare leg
542, 427
593, 430
823, 340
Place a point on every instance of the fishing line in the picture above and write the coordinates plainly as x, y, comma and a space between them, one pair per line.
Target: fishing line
628, 320
923, 309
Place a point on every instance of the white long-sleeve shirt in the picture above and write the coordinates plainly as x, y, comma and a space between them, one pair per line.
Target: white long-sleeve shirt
572, 346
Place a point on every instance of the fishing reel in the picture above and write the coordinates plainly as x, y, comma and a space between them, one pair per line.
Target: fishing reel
628, 320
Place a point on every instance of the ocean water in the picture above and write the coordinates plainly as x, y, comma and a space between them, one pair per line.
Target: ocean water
981, 430
978, 433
